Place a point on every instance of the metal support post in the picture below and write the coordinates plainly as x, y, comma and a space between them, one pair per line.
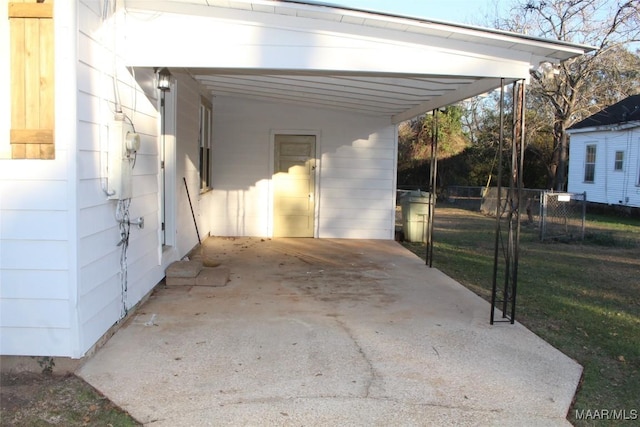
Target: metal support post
433, 182
512, 208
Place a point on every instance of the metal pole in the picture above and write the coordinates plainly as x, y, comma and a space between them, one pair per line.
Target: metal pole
584, 213
511, 203
191, 206
432, 189
521, 143
163, 118
498, 213
543, 203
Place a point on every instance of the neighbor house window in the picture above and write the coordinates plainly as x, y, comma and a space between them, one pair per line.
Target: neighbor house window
590, 163
619, 160
205, 145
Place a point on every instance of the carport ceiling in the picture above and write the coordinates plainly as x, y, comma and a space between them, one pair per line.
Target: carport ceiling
379, 95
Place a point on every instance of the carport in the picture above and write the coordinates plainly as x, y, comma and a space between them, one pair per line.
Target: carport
307, 98
289, 86
347, 328
328, 332
278, 72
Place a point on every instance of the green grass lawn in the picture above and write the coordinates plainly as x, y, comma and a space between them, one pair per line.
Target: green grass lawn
581, 297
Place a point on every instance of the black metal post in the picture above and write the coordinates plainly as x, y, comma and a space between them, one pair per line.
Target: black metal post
513, 205
433, 182
520, 186
498, 204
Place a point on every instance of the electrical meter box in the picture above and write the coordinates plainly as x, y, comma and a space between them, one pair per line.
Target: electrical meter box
124, 143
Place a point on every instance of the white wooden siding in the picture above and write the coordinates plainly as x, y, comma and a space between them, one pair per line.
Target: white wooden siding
351, 175
37, 213
609, 186
60, 264
356, 171
187, 165
100, 297
47, 284
43, 339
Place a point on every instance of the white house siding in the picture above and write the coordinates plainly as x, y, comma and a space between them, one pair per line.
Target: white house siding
37, 219
101, 298
189, 93
60, 266
355, 173
609, 186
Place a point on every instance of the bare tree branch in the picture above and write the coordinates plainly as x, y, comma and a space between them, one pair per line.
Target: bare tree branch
586, 84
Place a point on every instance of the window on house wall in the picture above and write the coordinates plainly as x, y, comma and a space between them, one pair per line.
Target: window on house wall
619, 161
205, 144
590, 163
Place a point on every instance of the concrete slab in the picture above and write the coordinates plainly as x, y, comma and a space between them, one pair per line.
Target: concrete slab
329, 332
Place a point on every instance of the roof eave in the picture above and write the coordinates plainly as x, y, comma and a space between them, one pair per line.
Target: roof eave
603, 128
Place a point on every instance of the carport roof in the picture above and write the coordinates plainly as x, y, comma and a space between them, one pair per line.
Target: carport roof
328, 56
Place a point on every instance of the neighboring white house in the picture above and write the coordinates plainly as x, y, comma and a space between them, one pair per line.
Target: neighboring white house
605, 155
280, 119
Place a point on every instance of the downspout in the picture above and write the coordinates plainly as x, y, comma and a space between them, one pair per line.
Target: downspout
606, 167
626, 169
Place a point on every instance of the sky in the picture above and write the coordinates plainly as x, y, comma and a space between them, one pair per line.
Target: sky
472, 12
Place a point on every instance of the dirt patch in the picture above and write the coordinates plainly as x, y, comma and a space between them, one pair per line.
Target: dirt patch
34, 399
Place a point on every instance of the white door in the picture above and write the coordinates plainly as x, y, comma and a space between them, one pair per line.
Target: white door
294, 186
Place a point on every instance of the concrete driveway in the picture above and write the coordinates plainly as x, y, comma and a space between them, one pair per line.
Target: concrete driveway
312, 332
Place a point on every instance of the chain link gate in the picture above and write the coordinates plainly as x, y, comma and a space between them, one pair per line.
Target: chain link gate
562, 215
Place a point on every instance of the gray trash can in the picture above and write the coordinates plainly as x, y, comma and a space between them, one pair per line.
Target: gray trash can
415, 214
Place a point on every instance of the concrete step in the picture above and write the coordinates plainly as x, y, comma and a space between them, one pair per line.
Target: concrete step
213, 276
183, 273
194, 273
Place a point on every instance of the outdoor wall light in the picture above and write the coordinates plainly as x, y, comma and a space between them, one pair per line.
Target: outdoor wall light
164, 79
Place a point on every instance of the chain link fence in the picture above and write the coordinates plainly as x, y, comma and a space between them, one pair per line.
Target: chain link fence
530, 200
558, 215
563, 215
465, 197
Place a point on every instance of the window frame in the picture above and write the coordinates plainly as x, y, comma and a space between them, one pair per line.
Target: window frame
618, 164
590, 163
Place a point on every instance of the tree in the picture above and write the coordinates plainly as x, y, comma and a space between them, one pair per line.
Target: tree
414, 145
581, 86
